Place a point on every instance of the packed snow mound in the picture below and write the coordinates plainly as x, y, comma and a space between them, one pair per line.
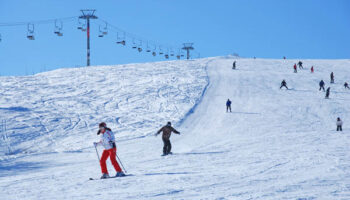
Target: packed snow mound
59, 110
275, 144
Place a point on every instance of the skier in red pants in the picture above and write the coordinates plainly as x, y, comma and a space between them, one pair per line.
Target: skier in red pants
108, 142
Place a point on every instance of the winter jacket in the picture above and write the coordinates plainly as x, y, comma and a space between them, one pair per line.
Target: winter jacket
167, 132
321, 83
228, 103
340, 123
107, 140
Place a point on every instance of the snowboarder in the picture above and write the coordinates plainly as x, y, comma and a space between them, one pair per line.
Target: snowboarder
312, 69
110, 150
346, 85
321, 85
284, 84
167, 130
300, 64
339, 124
295, 68
228, 105
332, 77
327, 92
234, 65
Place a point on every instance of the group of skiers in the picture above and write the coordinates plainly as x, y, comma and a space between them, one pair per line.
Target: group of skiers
110, 150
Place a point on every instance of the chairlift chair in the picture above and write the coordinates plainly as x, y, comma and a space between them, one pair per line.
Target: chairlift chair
0, 37
178, 57
105, 31
58, 29
154, 53
30, 33
166, 56
121, 42
100, 32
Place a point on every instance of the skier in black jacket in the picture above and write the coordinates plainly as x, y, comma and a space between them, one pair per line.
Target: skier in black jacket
332, 77
167, 130
321, 85
284, 84
346, 85
327, 92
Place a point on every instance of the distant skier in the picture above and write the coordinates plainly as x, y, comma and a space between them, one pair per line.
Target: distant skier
327, 92
284, 57
321, 85
108, 142
300, 64
295, 68
284, 84
332, 77
167, 130
339, 124
234, 65
312, 69
346, 85
228, 105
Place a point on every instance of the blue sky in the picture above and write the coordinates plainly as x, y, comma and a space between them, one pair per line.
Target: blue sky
261, 28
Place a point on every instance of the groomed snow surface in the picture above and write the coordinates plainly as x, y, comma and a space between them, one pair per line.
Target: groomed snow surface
276, 144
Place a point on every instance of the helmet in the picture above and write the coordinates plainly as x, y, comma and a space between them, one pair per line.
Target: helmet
102, 124
168, 124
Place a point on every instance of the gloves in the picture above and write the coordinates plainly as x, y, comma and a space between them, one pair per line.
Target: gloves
95, 144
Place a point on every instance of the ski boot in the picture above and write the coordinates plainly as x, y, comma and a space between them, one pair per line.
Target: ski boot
120, 174
104, 176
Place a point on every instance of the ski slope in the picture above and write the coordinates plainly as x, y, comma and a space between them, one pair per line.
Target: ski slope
276, 144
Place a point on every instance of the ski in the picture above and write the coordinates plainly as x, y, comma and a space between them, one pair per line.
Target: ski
92, 179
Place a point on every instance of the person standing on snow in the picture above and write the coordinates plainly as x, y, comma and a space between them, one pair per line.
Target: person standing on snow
295, 68
284, 84
321, 85
167, 130
346, 85
312, 69
327, 92
300, 64
108, 142
332, 77
228, 105
339, 124
234, 65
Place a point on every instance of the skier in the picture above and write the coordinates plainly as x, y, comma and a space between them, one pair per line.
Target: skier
332, 77
339, 124
312, 69
234, 65
228, 105
321, 85
300, 64
284, 84
110, 150
295, 68
346, 85
327, 92
284, 57
167, 130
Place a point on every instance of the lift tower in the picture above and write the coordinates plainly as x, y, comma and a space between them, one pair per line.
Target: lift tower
188, 47
87, 15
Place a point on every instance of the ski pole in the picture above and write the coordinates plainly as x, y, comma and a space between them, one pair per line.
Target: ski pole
121, 163
97, 153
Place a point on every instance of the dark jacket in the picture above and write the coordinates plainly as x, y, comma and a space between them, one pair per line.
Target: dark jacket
167, 130
108, 129
321, 83
228, 103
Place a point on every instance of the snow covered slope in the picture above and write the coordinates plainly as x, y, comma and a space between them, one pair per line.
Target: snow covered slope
276, 144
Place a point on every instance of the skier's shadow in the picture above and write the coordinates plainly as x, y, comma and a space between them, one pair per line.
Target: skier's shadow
15, 168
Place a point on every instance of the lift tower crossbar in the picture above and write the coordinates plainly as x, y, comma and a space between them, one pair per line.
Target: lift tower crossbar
188, 47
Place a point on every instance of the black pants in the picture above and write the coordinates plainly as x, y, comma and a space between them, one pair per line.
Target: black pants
339, 128
283, 86
322, 87
167, 146
228, 108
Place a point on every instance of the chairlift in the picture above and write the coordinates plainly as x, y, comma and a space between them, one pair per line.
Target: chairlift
154, 51
0, 37
140, 46
121, 40
171, 53
178, 57
105, 30
134, 46
58, 28
81, 25
148, 50
100, 32
30, 32
167, 54
160, 51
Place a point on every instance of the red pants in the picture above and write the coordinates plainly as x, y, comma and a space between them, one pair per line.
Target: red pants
111, 153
